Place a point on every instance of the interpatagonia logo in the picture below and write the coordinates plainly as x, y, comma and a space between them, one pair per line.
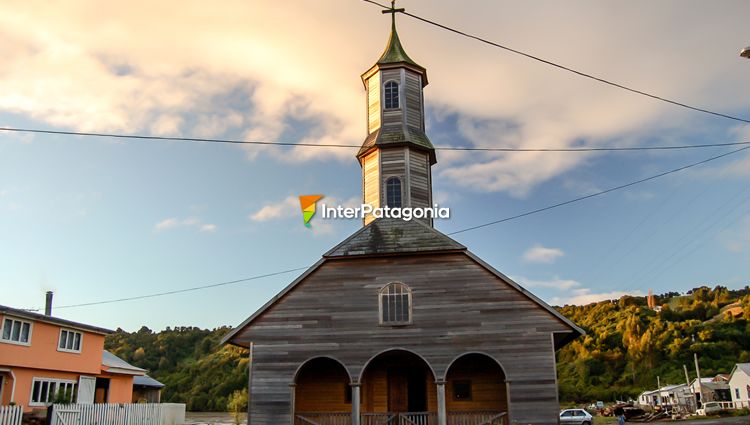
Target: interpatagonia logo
307, 203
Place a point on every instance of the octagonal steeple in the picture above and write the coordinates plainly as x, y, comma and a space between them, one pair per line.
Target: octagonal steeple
396, 156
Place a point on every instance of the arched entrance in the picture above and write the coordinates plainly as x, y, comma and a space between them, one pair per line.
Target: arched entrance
398, 382
321, 390
476, 391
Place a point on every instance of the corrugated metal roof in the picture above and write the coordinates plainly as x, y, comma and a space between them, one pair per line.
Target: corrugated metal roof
147, 381
118, 365
25, 314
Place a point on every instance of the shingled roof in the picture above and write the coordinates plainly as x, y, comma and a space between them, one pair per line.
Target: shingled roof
393, 236
398, 135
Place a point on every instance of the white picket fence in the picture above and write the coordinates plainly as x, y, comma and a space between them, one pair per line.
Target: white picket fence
11, 415
118, 414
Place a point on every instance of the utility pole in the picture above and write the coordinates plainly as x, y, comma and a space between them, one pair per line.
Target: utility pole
658, 382
687, 381
698, 377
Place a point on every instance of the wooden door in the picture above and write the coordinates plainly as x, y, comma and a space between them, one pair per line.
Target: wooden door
398, 390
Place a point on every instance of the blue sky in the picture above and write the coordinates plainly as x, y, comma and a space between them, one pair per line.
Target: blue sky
100, 219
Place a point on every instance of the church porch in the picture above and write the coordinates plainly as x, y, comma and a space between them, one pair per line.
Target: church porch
399, 388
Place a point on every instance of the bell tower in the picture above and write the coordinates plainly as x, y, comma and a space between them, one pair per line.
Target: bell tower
396, 157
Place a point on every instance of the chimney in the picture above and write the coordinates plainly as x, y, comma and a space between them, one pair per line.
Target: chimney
48, 304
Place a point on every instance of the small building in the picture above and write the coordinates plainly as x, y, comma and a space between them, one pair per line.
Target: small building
399, 323
46, 359
739, 385
710, 389
146, 389
668, 397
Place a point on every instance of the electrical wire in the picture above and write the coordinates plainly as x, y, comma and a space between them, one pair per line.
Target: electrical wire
603, 192
563, 67
315, 145
176, 291
528, 213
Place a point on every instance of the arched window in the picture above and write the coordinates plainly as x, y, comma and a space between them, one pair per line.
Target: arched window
393, 192
391, 95
395, 304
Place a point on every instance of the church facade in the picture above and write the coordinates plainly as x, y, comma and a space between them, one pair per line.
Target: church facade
400, 324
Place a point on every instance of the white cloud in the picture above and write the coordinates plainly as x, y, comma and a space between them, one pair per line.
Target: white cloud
132, 71
190, 222
575, 292
284, 209
555, 283
542, 254
585, 296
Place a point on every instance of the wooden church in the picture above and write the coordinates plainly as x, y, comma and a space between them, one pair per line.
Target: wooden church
399, 324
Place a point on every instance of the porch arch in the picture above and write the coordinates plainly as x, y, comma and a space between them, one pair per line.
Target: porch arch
322, 385
398, 380
476, 381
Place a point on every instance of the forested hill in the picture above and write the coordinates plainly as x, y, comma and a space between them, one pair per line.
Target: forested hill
626, 347
189, 361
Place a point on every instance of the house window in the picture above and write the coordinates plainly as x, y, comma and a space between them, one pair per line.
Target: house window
748, 391
393, 192
462, 390
391, 95
70, 341
46, 391
395, 304
16, 331
737, 393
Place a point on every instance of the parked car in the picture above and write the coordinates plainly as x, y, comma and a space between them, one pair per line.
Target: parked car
575, 416
709, 408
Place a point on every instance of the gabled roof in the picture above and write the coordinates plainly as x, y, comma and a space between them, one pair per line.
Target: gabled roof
398, 135
743, 367
114, 364
25, 314
392, 236
395, 236
147, 381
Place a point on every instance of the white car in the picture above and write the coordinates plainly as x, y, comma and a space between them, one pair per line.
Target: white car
575, 416
709, 408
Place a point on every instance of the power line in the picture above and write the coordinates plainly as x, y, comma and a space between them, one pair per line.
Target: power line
603, 192
176, 291
565, 68
315, 145
197, 288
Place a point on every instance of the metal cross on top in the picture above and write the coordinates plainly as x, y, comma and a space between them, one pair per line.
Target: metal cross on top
393, 10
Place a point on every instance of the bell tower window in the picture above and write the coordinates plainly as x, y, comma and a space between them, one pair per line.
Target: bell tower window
393, 192
391, 95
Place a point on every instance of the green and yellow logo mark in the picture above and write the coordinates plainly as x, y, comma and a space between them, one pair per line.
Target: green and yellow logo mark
307, 203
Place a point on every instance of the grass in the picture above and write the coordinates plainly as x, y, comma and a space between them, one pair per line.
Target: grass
600, 420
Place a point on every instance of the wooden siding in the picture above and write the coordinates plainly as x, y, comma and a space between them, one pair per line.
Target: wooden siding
419, 182
487, 383
371, 181
413, 95
458, 307
321, 386
393, 164
373, 103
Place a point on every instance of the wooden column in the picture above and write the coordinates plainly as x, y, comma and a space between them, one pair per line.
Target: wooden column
355, 404
442, 413
292, 402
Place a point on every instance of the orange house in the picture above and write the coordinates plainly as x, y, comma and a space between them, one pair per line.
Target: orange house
45, 359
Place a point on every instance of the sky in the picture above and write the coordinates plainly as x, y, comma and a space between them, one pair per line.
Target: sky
99, 219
